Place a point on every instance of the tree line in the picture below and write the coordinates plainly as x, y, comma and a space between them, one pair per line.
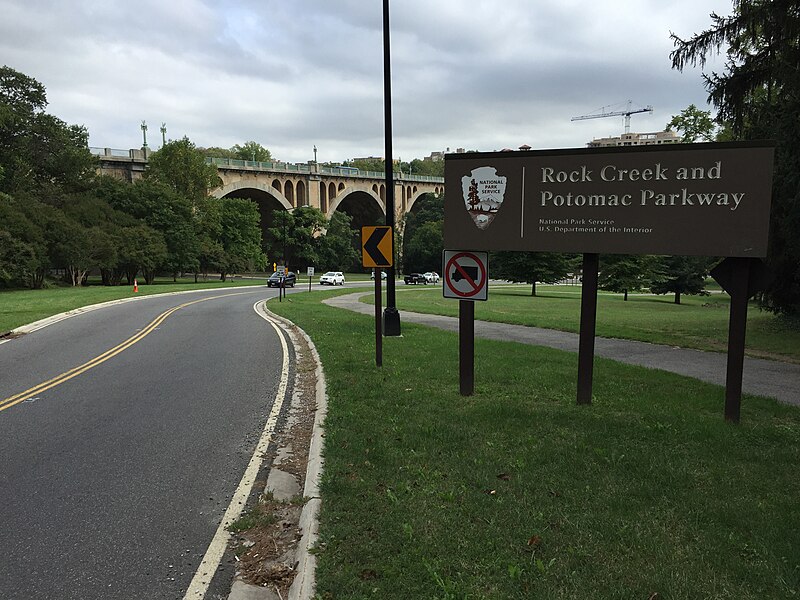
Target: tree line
58, 215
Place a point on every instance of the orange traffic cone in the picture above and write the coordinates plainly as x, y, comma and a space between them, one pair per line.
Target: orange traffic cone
135, 286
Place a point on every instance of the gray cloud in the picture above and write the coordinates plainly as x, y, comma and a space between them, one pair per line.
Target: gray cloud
291, 75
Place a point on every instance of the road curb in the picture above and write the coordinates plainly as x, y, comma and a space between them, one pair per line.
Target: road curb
305, 581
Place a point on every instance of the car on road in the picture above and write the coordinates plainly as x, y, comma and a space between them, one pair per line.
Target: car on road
431, 277
372, 275
415, 278
332, 278
288, 280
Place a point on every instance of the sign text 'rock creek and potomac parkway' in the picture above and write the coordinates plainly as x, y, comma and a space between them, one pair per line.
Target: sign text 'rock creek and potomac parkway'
691, 199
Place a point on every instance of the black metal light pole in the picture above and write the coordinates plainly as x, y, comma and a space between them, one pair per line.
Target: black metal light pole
391, 316
144, 135
163, 134
285, 218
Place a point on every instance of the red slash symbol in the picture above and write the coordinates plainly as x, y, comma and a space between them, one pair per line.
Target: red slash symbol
466, 273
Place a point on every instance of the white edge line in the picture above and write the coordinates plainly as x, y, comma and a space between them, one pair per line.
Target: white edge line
53, 319
219, 543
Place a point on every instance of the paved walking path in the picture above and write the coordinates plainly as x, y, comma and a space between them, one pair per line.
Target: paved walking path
768, 378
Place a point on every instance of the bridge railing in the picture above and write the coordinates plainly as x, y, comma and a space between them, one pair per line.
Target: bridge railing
257, 165
323, 170
134, 153
274, 166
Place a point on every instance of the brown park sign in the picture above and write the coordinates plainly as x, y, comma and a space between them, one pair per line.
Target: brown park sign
689, 199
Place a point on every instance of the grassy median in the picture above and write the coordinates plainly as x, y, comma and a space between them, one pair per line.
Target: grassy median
516, 492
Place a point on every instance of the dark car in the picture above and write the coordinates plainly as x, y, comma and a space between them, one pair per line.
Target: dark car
288, 280
415, 278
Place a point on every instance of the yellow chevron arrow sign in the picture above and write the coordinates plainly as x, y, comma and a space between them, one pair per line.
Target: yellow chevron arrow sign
377, 246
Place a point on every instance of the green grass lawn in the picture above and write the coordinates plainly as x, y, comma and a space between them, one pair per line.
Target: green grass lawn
20, 307
517, 492
698, 322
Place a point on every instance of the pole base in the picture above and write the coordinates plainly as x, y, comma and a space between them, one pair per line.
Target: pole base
391, 321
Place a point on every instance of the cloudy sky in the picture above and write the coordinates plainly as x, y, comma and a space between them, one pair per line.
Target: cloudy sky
292, 74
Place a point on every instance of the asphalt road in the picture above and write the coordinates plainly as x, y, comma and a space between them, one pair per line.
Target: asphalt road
113, 482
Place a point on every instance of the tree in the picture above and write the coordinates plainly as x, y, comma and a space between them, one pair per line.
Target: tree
181, 167
162, 209
623, 273
39, 153
429, 168
22, 248
680, 275
142, 248
217, 152
424, 253
251, 151
208, 230
756, 98
693, 124
23, 253
17, 260
240, 236
337, 251
20, 93
423, 249
377, 165
531, 267
295, 235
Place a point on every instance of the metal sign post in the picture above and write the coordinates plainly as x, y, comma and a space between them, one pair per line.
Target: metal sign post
310, 275
588, 325
466, 278
466, 347
378, 327
377, 252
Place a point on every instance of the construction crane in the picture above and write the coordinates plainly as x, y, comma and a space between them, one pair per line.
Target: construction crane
619, 113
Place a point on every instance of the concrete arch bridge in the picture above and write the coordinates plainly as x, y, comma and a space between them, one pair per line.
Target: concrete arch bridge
275, 185
360, 194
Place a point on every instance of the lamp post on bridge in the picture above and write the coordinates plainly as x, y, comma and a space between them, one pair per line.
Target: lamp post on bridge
144, 135
315, 154
163, 134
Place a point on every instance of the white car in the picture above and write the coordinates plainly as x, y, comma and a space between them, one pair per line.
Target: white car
332, 278
431, 277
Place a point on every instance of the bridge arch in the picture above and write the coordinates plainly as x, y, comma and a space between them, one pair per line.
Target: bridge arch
288, 191
343, 195
414, 196
266, 197
229, 191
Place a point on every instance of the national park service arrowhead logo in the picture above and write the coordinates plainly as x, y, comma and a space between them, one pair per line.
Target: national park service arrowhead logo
483, 192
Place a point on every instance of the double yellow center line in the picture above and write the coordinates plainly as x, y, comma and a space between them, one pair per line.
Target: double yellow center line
59, 379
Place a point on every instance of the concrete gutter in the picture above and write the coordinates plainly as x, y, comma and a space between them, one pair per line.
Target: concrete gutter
283, 486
